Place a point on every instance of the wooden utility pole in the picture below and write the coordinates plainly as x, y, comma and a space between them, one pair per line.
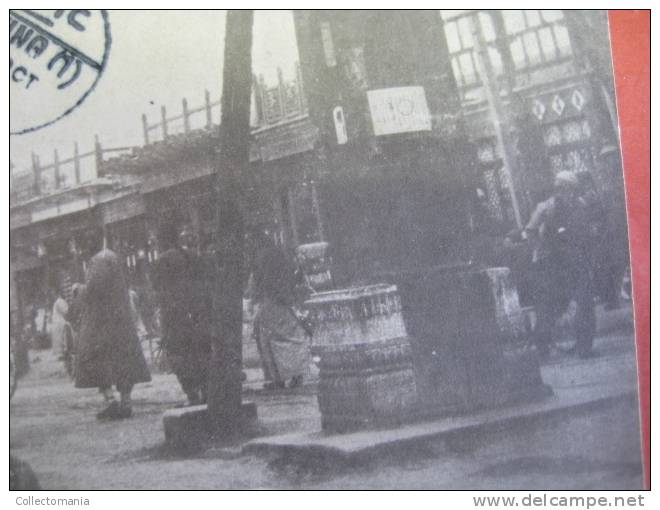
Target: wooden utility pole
224, 399
496, 110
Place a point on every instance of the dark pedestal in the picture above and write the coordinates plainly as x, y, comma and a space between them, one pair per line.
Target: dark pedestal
366, 374
468, 349
366, 385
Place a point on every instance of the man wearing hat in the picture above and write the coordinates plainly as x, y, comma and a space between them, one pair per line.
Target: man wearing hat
563, 259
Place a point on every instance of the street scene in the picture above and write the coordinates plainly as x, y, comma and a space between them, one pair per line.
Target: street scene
370, 250
54, 429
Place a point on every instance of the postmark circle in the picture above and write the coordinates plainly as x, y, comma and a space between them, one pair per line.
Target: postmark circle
56, 58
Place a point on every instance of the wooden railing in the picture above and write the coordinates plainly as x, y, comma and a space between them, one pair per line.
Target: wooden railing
187, 113
28, 185
271, 105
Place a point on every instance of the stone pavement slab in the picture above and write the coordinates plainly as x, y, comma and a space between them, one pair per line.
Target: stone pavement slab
578, 385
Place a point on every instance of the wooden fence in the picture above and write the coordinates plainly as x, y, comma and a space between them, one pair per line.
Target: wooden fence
271, 105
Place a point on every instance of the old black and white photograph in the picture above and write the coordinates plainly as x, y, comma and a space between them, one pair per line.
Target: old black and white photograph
318, 249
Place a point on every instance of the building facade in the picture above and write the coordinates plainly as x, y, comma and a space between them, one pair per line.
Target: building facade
411, 132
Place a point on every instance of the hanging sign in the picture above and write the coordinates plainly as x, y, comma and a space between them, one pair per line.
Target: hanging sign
340, 125
399, 110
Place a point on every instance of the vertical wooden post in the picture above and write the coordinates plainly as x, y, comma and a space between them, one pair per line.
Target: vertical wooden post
163, 115
502, 45
224, 399
98, 157
299, 89
485, 71
209, 112
56, 169
145, 129
76, 162
186, 118
264, 103
37, 174
258, 101
281, 93
293, 218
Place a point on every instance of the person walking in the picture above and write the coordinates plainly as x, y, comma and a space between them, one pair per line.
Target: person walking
134, 301
281, 339
59, 324
76, 307
109, 352
563, 262
184, 312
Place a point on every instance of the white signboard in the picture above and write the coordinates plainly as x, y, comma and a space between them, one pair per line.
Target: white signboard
340, 125
399, 110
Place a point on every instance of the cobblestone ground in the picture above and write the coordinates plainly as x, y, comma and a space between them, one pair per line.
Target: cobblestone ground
53, 428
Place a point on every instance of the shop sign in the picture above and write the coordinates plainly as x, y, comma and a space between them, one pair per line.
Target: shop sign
399, 110
286, 140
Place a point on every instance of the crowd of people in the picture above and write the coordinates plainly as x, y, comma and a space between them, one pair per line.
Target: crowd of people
566, 259
103, 315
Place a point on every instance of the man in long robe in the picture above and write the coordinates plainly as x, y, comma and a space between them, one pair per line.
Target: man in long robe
282, 341
59, 324
109, 352
185, 313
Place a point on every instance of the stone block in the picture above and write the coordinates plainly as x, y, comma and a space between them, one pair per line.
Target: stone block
467, 338
190, 427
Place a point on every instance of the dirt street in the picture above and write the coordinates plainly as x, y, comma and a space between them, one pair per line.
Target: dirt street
53, 427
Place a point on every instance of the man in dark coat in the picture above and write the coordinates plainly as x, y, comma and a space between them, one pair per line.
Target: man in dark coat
184, 312
109, 352
564, 263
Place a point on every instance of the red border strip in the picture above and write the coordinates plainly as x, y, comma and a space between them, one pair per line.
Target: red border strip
631, 49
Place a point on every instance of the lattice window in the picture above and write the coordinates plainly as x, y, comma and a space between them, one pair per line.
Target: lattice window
576, 160
572, 132
552, 136
494, 203
556, 163
536, 36
460, 42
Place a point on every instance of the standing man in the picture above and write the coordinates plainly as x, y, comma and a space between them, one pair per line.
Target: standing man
563, 261
282, 341
59, 324
184, 309
109, 352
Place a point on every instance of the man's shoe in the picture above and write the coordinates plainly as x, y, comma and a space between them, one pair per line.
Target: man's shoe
112, 412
